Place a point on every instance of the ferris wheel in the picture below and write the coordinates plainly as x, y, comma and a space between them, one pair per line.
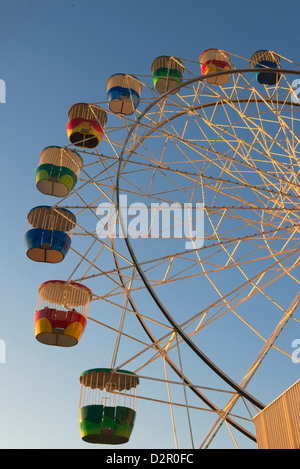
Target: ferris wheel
177, 199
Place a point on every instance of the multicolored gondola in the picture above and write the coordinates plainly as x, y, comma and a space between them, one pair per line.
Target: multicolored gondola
167, 73
212, 61
61, 313
58, 171
86, 124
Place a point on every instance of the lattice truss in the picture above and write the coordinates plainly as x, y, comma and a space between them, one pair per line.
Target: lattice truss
227, 273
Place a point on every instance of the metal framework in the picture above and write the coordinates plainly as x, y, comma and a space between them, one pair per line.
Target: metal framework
188, 317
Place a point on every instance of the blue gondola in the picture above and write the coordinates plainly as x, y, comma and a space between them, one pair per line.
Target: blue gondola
262, 61
48, 237
123, 93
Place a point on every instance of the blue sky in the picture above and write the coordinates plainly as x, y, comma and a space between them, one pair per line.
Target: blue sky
53, 54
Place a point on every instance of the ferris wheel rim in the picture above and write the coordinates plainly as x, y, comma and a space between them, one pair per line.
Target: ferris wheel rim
136, 263
121, 160
170, 362
196, 108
